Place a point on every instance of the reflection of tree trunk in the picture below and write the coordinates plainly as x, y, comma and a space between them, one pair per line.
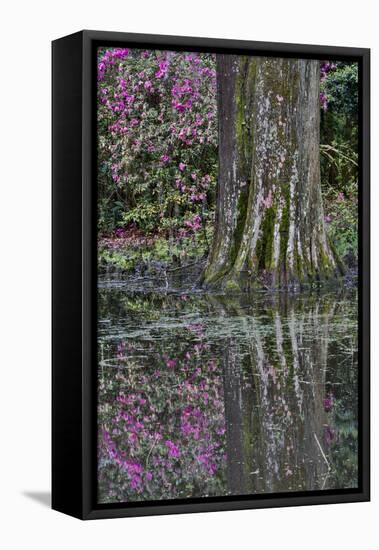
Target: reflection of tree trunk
314, 368
234, 421
274, 394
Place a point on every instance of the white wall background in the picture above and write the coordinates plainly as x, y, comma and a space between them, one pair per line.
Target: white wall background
26, 31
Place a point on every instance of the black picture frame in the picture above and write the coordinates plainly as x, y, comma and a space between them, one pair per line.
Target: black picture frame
74, 275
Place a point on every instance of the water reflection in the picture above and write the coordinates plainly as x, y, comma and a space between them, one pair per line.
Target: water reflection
205, 395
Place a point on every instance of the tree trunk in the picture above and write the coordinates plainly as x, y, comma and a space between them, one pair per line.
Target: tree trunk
269, 227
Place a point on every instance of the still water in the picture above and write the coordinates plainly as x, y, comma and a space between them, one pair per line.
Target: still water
210, 395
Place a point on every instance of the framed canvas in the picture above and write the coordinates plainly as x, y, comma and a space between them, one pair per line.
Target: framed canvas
210, 275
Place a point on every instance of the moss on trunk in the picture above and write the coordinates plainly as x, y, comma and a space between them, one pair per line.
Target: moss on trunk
269, 228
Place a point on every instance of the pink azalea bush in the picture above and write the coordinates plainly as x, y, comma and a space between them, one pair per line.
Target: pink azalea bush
157, 146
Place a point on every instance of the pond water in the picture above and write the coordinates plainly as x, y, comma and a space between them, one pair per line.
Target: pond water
211, 395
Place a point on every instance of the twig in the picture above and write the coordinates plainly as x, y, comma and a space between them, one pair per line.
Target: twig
322, 452
325, 478
330, 148
163, 273
151, 450
184, 266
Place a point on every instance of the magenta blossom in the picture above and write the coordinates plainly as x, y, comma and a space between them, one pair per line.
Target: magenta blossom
173, 450
195, 223
323, 101
163, 67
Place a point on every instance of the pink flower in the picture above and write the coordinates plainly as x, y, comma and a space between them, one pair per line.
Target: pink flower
165, 158
163, 67
323, 101
195, 223
173, 450
171, 363
120, 53
178, 106
182, 166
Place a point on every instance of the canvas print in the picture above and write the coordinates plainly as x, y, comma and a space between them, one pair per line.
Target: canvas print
227, 254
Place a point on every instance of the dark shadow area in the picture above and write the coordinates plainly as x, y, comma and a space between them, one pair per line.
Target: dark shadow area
42, 497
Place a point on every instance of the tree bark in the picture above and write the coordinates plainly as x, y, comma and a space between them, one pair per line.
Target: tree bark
269, 226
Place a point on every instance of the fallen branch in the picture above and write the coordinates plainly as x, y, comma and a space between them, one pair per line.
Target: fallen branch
322, 452
151, 450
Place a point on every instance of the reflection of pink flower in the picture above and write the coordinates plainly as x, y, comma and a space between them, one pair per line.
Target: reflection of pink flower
330, 435
328, 402
121, 351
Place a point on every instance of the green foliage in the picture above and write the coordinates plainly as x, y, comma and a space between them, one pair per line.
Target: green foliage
144, 216
341, 89
339, 159
342, 222
161, 253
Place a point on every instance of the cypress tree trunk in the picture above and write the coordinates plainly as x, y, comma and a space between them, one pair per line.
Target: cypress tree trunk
269, 227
